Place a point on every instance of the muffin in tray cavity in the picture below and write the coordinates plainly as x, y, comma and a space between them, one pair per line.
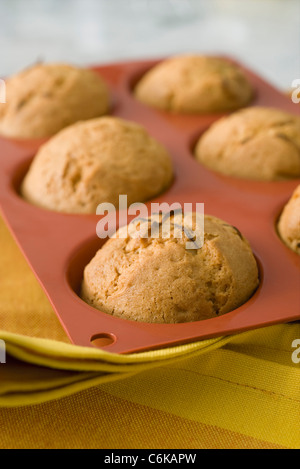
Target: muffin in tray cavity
255, 143
45, 98
94, 162
158, 279
194, 84
289, 222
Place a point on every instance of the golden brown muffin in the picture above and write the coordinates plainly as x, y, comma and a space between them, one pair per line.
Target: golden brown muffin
289, 222
45, 98
255, 143
194, 84
159, 280
94, 162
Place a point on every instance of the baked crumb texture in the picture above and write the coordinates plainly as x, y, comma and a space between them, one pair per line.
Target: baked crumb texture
194, 84
255, 143
289, 222
94, 162
158, 280
45, 98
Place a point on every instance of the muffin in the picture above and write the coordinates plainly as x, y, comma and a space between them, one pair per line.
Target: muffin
289, 222
94, 162
45, 98
158, 280
194, 84
255, 143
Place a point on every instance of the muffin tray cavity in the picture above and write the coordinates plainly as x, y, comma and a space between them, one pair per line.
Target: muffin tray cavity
59, 246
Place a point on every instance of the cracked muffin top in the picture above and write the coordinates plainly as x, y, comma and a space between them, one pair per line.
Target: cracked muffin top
94, 162
158, 280
45, 98
255, 143
194, 84
289, 222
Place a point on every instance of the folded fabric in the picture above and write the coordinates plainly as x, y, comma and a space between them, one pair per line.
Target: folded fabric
232, 392
82, 365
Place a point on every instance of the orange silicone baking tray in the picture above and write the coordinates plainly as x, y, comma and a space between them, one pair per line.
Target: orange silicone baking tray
58, 246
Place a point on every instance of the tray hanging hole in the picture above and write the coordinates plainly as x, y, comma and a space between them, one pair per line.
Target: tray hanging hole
103, 340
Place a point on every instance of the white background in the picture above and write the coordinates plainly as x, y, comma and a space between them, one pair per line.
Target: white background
264, 34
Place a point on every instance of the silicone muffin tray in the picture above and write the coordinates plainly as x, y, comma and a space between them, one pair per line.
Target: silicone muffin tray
58, 246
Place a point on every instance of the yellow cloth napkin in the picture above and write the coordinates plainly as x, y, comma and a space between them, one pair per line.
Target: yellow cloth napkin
235, 392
